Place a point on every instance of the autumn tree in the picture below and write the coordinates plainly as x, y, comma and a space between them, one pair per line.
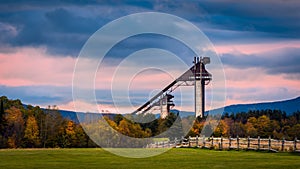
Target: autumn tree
31, 134
166, 123
237, 129
82, 139
221, 129
15, 127
54, 127
207, 130
264, 126
294, 131
196, 129
251, 127
74, 135
2, 123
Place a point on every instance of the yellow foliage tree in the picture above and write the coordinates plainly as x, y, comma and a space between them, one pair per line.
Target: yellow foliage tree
15, 122
32, 132
70, 138
70, 128
264, 126
221, 129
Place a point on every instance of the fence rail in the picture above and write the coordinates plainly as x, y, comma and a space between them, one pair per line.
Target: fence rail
221, 143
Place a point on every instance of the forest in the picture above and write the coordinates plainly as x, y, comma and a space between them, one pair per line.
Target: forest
26, 126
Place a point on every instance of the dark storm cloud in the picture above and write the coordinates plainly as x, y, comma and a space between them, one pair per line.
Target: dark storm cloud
29, 4
286, 61
133, 44
279, 18
61, 20
61, 31
63, 26
22, 3
230, 21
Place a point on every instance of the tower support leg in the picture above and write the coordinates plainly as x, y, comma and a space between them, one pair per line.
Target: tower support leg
164, 108
199, 98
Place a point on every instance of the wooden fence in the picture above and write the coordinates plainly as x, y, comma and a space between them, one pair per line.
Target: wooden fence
237, 143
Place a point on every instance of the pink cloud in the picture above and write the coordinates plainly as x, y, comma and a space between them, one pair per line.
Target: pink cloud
254, 85
82, 106
255, 77
33, 66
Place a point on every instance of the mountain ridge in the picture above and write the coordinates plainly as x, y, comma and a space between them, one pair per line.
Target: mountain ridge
289, 106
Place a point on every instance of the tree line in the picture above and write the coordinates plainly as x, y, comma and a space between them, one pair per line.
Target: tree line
24, 126
264, 123
32, 127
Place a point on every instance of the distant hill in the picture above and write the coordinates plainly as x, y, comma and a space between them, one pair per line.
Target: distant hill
289, 106
73, 116
69, 115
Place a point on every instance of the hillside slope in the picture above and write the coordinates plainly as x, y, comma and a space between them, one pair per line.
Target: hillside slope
289, 106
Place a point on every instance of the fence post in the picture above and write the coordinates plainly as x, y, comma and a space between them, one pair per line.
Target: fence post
248, 142
229, 142
295, 144
212, 141
269, 145
221, 145
197, 143
238, 142
189, 141
282, 145
258, 143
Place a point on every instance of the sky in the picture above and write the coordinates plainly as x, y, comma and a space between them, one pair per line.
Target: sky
258, 42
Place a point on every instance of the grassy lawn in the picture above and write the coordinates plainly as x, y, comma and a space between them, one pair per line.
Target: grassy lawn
176, 158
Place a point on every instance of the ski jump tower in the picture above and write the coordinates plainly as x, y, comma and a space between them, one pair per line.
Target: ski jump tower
201, 78
196, 76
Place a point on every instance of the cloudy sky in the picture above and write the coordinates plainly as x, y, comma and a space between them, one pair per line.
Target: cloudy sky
258, 42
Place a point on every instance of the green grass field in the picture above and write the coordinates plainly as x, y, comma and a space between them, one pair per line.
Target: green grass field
182, 158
